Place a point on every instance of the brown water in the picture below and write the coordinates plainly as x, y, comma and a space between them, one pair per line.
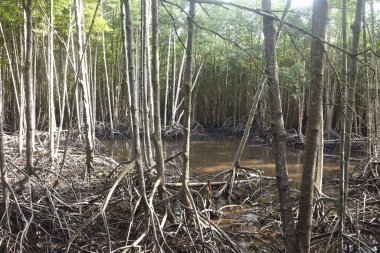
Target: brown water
214, 156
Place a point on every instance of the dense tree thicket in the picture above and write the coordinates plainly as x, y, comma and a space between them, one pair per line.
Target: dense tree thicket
72, 71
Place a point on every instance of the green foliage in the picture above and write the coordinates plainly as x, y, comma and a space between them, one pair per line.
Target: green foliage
4, 62
293, 78
11, 12
228, 40
100, 24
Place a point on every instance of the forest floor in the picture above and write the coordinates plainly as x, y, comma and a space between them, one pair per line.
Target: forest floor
61, 209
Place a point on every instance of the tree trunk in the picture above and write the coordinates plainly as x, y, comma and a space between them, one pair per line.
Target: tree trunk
343, 91
3, 168
28, 78
320, 161
167, 81
352, 81
177, 88
145, 95
110, 114
252, 113
134, 103
368, 95
314, 123
330, 101
376, 104
187, 84
82, 79
11, 70
279, 135
22, 81
64, 83
187, 105
126, 76
301, 110
157, 106
52, 123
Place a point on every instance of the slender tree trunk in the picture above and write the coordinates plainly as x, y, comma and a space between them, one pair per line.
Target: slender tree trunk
330, 102
352, 83
157, 106
192, 87
156, 91
247, 129
187, 84
3, 168
88, 93
177, 88
145, 95
252, 113
342, 169
320, 161
167, 81
174, 70
94, 88
64, 84
279, 135
314, 123
110, 114
134, 103
11, 70
21, 79
148, 68
301, 110
187, 105
126, 76
28, 78
82, 72
52, 123
368, 94
376, 103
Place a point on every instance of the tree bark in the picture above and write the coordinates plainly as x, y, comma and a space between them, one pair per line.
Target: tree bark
82, 79
157, 106
3, 168
187, 104
167, 81
52, 122
187, 84
279, 135
368, 95
64, 83
126, 75
252, 112
177, 86
11, 70
352, 83
134, 103
21, 79
343, 91
110, 114
156, 98
314, 123
145, 94
376, 104
28, 78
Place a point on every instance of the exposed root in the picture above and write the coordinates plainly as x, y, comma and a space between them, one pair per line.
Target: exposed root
56, 213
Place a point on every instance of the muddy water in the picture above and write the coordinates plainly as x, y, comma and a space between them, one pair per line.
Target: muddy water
214, 156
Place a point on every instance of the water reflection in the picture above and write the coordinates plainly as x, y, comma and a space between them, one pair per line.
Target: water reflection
214, 156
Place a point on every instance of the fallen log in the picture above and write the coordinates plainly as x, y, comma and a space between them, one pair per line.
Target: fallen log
220, 183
